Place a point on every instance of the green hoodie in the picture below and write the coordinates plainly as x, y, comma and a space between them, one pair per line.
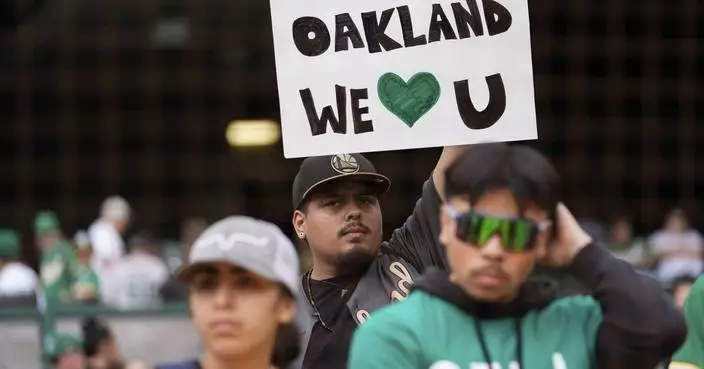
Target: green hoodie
691, 354
427, 331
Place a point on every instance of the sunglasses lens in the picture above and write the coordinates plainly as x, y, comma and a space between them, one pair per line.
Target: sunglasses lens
522, 235
516, 234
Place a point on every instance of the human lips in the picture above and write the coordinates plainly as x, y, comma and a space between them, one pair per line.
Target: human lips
355, 230
223, 327
488, 280
490, 277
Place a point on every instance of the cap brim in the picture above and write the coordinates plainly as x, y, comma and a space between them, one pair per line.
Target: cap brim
185, 272
379, 182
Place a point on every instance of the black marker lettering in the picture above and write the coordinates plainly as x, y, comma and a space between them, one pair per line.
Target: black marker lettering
360, 125
439, 24
311, 36
346, 31
474, 119
498, 19
318, 125
409, 39
466, 19
374, 31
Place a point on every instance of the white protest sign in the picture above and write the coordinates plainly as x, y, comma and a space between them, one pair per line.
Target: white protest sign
376, 75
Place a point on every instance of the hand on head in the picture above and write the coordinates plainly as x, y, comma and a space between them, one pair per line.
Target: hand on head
569, 239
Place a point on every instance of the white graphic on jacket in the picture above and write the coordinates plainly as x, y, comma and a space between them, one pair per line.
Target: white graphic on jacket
404, 281
558, 362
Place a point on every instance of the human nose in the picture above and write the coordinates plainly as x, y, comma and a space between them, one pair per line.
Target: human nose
353, 211
223, 297
493, 249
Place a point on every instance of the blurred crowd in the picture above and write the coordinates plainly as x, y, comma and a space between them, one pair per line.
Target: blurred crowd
99, 265
95, 266
672, 254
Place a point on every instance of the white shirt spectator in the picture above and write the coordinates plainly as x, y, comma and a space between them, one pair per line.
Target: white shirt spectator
17, 279
105, 237
678, 252
134, 282
108, 246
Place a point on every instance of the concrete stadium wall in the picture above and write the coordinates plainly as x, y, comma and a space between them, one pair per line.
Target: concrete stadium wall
153, 339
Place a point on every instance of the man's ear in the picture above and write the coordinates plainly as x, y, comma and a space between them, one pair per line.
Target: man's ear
299, 222
543, 243
444, 216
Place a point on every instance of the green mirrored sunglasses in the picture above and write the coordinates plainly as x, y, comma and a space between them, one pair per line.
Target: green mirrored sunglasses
516, 234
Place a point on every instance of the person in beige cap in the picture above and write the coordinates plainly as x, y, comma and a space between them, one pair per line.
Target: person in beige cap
245, 297
106, 233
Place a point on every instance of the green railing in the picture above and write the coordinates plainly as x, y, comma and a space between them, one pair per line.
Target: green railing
85, 310
74, 311
18, 314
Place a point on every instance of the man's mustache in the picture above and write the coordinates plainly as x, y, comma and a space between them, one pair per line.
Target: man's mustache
494, 271
357, 226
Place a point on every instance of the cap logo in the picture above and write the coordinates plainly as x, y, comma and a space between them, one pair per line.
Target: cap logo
344, 164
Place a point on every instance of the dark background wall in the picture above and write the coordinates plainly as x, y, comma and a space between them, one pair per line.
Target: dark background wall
90, 106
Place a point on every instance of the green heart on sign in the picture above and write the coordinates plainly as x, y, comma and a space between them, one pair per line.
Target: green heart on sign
408, 101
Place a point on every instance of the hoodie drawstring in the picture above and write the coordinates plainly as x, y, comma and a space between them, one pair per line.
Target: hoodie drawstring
485, 351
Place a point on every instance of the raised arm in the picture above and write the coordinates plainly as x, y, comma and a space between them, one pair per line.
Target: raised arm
449, 154
417, 239
640, 325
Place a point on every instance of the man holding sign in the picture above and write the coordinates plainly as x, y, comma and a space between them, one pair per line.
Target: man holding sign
377, 75
337, 214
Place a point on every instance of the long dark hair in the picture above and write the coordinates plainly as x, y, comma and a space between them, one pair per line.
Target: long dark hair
95, 333
287, 346
288, 343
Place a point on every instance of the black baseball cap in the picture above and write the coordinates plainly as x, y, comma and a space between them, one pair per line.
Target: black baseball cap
317, 170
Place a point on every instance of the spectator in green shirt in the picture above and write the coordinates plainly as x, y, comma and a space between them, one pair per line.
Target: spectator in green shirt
58, 266
86, 286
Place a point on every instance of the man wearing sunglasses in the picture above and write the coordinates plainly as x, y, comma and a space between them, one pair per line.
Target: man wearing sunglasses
501, 217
